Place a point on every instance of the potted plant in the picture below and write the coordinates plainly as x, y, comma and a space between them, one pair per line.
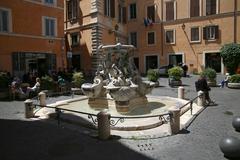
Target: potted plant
175, 75
47, 83
211, 75
78, 80
234, 81
153, 75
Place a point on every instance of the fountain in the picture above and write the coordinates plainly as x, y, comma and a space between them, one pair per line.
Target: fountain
117, 82
119, 90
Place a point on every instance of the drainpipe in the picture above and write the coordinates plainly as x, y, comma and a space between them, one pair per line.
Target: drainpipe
162, 37
235, 21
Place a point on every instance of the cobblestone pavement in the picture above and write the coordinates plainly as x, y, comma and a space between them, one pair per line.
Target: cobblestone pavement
26, 139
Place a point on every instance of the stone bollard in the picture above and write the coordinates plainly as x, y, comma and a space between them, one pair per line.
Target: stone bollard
181, 92
42, 98
201, 99
29, 108
103, 118
175, 120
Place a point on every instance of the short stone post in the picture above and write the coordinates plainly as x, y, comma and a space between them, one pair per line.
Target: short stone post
181, 92
29, 108
42, 98
175, 120
201, 98
103, 118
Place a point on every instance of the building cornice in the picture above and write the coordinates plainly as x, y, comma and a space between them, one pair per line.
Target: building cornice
28, 36
200, 18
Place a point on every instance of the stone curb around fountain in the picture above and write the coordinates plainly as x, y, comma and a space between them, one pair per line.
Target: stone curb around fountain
157, 132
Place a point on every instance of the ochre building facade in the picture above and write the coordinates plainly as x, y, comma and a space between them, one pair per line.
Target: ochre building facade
163, 31
31, 36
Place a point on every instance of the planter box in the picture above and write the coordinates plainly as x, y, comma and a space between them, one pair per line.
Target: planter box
234, 85
4, 94
212, 83
175, 83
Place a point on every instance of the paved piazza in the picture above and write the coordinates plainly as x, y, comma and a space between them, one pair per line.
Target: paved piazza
43, 139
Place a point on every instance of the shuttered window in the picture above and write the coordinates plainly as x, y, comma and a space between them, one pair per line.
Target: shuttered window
109, 8
194, 8
121, 14
72, 9
151, 13
169, 11
211, 7
210, 32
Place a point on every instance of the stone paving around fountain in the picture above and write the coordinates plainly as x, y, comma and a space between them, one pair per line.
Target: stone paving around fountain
30, 139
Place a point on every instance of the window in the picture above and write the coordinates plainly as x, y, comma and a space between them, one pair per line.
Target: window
170, 36
109, 8
194, 8
72, 9
133, 11
210, 33
133, 39
151, 13
170, 11
211, 7
4, 20
49, 26
122, 14
195, 34
75, 39
49, 2
151, 38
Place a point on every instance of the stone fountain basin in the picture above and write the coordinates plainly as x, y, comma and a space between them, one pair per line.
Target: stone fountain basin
157, 105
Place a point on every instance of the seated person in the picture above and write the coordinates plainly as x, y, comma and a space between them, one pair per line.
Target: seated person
35, 88
225, 81
61, 83
16, 89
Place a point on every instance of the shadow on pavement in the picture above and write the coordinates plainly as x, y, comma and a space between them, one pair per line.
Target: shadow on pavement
41, 140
